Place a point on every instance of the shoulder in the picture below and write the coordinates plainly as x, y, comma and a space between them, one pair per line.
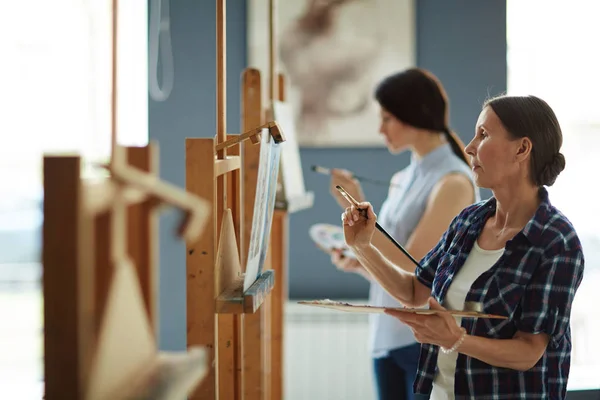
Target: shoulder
454, 188
453, 181
558, 233
397, 177
562, 260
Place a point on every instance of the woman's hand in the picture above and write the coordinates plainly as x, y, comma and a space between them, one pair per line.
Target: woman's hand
358, 230
345, 179
346, 264
437, 329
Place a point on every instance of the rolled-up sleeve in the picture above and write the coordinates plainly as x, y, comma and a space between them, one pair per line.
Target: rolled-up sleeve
547, 300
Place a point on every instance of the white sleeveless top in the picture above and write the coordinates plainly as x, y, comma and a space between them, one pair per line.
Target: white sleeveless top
399, 216
477, 262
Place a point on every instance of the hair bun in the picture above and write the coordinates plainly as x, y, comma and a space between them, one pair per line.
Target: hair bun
551, 170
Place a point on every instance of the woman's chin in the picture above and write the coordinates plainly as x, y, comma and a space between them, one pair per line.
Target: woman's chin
481, 183
394, 149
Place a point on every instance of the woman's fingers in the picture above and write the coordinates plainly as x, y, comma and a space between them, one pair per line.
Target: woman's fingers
335, 256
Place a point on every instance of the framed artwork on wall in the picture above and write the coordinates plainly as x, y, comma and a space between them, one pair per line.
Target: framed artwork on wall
333, 53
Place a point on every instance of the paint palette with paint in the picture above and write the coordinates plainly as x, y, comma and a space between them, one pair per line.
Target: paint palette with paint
329, 237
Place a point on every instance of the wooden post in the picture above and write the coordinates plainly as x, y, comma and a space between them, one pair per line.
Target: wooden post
68, 298
102, 351
279, 253
219, 313
254, 348
143, 232
99, 339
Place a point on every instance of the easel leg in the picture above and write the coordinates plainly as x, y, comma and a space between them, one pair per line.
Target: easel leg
142, 229
278, 298
253, 351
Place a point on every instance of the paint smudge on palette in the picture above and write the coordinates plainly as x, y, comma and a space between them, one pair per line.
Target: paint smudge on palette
329, 237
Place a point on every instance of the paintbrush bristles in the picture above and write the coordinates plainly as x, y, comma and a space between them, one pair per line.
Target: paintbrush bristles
321, 170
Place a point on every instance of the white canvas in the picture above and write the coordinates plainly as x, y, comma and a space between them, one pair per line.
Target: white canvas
291, 165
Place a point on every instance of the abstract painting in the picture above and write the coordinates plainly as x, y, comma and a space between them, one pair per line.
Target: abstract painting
333, 53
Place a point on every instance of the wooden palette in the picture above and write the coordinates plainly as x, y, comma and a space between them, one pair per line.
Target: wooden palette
363, 308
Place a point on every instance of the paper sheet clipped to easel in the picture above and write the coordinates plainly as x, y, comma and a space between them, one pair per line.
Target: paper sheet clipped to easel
362, 308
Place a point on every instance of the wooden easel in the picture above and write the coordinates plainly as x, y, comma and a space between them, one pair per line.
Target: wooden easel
280, 232
220, 315
99, 312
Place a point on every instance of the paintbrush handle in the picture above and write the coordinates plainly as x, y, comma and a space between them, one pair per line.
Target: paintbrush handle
364, 213
327, 171
398, 245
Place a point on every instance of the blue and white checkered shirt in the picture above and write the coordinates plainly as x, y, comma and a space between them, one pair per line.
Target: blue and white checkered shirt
533, 283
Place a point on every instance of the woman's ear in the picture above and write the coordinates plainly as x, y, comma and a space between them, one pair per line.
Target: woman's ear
524, 149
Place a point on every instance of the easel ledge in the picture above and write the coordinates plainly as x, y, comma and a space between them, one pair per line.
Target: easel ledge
234, 301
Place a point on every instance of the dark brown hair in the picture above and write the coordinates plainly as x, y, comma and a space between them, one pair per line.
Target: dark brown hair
417, 98
533, 118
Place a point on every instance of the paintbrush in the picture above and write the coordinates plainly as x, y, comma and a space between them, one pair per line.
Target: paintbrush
327, 171
363, 212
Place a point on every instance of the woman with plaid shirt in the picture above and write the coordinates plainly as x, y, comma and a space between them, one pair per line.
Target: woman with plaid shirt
514, 255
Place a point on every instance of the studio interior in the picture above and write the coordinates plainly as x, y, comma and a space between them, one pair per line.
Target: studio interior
173, 173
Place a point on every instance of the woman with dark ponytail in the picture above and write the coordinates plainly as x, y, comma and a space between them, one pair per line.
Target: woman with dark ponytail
422, 200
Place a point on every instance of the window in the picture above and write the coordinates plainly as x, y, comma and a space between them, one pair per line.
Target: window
552, 53
56, 86
55, 97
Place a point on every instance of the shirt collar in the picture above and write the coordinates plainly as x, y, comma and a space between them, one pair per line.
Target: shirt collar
534, 228
431, 158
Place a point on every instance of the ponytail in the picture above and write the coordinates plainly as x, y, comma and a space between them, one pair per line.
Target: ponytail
458, 147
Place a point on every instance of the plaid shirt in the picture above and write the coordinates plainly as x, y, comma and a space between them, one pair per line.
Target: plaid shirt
533, 283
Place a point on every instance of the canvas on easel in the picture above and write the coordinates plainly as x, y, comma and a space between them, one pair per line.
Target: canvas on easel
264, 205
291, 186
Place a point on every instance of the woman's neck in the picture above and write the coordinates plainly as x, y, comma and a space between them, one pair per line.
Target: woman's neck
515, 205
427, 144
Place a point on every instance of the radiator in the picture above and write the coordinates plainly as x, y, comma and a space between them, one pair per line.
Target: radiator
326, 355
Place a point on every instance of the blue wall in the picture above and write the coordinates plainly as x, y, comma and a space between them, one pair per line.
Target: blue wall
463, 42
190, 112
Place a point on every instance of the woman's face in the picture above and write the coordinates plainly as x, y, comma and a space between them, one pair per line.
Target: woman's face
398, 135
496, 158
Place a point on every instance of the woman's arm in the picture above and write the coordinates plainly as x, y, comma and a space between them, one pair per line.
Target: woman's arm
391, 268
349, 264
521, 352
399, 283
449, 196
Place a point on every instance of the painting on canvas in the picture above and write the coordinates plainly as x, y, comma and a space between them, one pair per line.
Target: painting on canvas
264, 205
333, 53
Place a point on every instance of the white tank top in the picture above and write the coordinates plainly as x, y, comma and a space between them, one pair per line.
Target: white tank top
477, 263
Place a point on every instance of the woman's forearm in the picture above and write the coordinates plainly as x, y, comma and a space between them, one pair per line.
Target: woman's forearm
396, 281
518, 353
391, 252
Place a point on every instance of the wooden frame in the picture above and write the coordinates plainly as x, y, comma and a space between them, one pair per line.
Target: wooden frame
221, 317
280, 230
99, 311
